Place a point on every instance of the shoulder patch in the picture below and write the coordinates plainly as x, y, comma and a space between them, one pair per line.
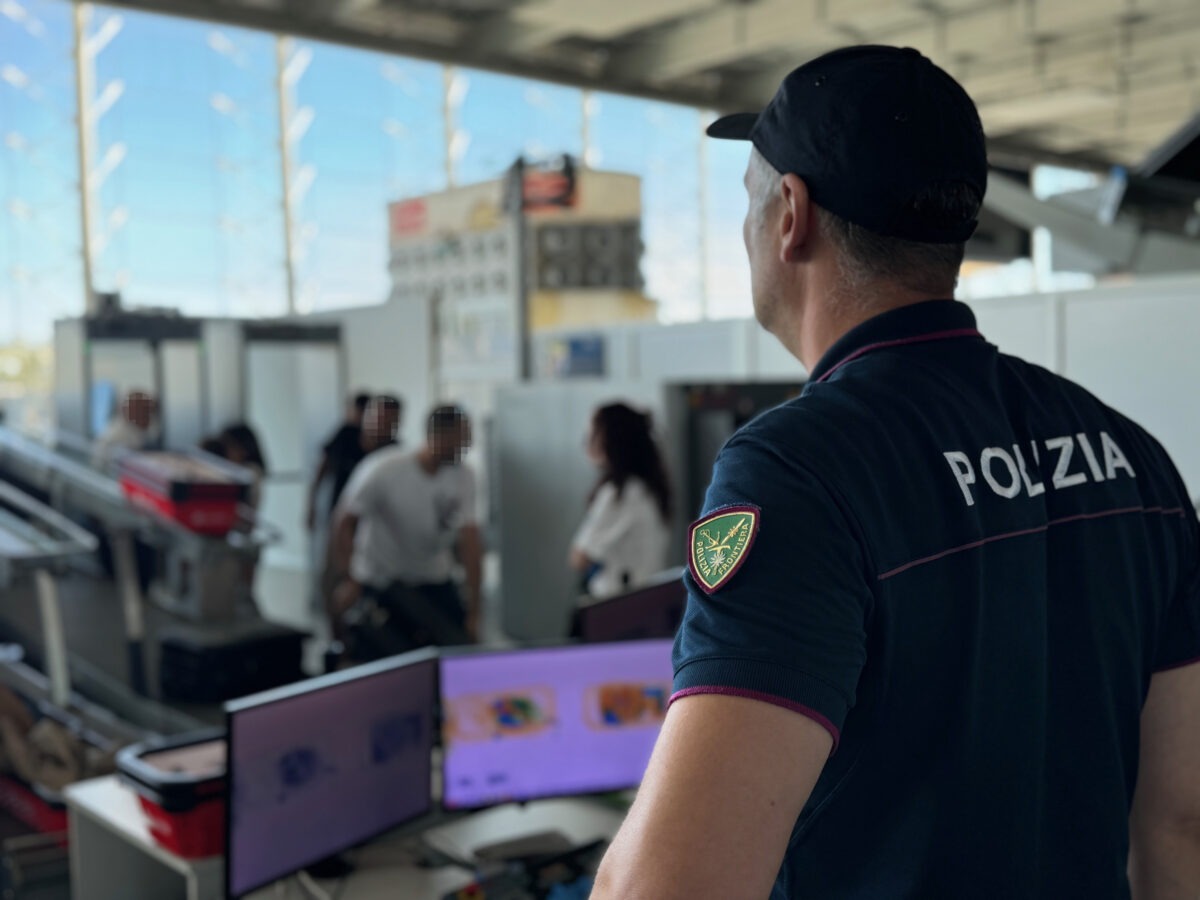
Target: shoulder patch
719, 543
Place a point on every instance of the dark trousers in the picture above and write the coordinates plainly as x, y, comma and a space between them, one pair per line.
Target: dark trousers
403, 617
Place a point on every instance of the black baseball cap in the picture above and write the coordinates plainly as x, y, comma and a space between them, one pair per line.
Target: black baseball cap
870, 129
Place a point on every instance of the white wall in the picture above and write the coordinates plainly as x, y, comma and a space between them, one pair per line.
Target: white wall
388, 349
1134, 345
1138, 349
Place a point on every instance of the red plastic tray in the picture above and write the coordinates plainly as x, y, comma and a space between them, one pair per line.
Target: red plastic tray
26, 806
203, 516
195, 834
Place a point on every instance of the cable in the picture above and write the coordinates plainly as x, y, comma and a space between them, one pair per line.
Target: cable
314, 890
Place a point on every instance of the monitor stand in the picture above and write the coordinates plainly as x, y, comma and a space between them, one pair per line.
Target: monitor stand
330, 868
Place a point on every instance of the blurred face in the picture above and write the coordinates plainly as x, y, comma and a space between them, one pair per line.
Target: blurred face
381, 422
450, 445
762, 252
139, 410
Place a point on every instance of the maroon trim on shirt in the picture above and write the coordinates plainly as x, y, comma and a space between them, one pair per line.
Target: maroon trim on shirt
1174, 511
806, 711
1179, 665
899, 342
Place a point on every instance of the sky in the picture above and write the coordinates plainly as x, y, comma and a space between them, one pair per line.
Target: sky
187, 208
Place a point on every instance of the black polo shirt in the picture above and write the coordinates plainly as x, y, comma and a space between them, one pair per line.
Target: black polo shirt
967, 569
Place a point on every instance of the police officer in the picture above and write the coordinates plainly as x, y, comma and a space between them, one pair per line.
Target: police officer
944, 609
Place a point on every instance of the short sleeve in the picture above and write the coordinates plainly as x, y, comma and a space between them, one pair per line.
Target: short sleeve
466, 513
362, 490
1179, 641
789, 625
602, 525
334, 445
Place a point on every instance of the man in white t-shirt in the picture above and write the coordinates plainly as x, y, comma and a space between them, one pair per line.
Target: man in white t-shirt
402, 520
130, 430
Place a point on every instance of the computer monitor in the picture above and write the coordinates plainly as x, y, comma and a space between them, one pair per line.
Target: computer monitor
548, 722
319, 767
652, 611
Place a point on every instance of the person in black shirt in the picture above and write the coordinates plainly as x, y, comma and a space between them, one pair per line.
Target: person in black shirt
351, 443
377, 426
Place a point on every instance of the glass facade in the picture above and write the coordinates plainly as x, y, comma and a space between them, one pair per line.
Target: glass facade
186, 182
365, 128
41, 274
194, 129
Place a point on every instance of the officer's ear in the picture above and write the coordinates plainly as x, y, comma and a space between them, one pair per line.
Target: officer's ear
798, 220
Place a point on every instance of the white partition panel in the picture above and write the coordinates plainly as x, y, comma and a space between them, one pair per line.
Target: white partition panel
182, 399
294, 398
544, 478
1023, 326
1137, 349
389, 350
699, 351
223, 375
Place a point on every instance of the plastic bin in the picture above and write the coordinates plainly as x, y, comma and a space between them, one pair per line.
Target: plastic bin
180, 784
199, 493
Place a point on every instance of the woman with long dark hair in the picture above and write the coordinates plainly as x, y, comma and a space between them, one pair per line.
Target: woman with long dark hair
623, 539
242, 448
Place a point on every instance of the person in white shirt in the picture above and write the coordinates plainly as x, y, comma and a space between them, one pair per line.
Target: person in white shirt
402, 520
131, 430
623, 539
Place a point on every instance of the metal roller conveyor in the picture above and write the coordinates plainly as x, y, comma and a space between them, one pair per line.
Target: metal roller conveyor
199, 578
34, 541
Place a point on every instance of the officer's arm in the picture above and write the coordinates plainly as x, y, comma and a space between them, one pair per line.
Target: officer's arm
724, 788
1164, 861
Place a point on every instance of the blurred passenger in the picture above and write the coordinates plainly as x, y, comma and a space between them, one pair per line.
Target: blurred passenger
381, 423
131, 430
401, 521
623, 539
214, 446
349, 446
243, 449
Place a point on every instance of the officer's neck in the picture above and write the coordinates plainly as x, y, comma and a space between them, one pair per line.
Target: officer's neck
835, 309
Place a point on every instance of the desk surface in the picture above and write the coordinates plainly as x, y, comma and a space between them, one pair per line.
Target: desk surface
115, 807
382, 868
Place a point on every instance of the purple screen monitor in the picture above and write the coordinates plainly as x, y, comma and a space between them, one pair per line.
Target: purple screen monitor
323, 766
551, 722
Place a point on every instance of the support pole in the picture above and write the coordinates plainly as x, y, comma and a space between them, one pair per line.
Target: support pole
125, 566
82, 14
284, 105
54, 641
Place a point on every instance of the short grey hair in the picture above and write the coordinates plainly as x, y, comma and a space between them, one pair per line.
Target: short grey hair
867, 258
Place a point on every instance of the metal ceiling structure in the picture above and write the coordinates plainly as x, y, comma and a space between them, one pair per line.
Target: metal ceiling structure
1095, 82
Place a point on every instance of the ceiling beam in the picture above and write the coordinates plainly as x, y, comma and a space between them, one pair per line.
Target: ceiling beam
606, 21
505, 35
728, 34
